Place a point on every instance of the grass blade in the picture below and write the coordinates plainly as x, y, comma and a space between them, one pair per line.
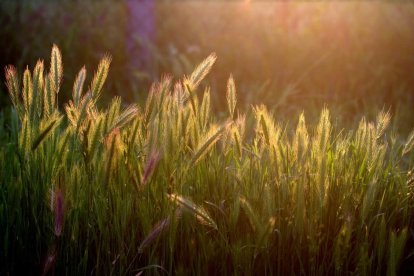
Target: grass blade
202, 216
44, 133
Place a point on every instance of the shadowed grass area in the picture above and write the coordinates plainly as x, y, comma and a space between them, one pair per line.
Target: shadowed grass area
169, 187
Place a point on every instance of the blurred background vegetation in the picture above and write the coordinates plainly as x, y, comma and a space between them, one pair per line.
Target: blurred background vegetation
354, 57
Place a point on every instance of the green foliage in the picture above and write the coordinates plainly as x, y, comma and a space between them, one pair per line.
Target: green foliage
170, 188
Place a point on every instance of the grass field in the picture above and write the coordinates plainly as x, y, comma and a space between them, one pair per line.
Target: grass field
171, 188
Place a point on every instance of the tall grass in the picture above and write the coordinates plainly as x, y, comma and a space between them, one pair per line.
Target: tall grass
170, 188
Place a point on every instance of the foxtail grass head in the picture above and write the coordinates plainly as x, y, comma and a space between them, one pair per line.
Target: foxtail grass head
153, 159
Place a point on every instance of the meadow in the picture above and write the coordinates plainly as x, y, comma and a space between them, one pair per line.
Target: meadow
264, 138
169, 187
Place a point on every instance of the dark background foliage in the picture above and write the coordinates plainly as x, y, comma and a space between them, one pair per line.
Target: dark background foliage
356, 58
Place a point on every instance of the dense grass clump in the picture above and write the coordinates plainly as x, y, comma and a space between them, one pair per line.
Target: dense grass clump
170, 188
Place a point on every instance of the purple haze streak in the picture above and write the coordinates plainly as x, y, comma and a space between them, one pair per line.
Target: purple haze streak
140, 27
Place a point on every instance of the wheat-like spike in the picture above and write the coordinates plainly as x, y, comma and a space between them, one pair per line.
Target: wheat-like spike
227, 139
370, 143
164, 88
180, 94
237, 141
205, 109
201, 71
192, 97
95, 137
409, 145
46, 97
231, 96
27, 90
92, 111
301, 138
360, 135
265, 123
13, 86
383, 120
175, 103
38, 79
278, 155
56, 69
265, 129
78, 86
83, 111
149, 105
198, 211
207, 144
241, 125
319, 148
100, 77
45, 132
112, 113
49, 98
323, 131
71, 113
126, 117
